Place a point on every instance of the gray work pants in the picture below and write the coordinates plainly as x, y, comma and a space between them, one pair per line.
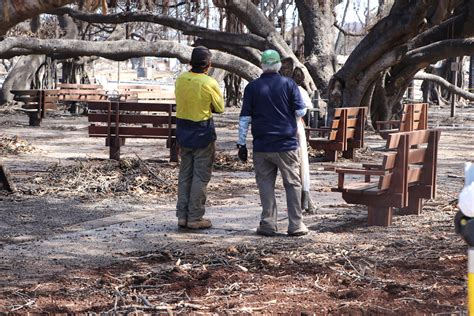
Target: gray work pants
194, 174
267, 165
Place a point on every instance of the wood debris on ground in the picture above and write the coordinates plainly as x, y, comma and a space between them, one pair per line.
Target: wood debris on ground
129, 176
14, 145
269, 274
226, 162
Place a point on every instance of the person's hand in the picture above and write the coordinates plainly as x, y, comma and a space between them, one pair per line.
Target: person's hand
243, 152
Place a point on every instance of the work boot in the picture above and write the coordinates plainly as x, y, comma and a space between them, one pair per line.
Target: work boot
300, 232
266, 233
202, 223
182, 222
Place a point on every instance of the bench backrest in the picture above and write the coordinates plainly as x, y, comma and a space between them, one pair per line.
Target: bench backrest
30, 98
411, 160
414, 117
132, 119
51, 99
348, 125
144, 93
80, 92
37, 99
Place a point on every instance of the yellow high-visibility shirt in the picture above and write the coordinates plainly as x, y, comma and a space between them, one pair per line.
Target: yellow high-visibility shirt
197, 95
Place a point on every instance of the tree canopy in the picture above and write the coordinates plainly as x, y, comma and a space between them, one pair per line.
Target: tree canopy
403, 38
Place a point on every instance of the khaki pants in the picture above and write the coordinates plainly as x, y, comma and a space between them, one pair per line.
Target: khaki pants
267, 165
194, 174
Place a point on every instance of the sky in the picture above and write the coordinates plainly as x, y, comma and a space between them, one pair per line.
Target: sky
356, 11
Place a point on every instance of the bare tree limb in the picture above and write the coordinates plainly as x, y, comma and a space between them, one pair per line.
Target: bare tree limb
258, 24
249, 13
250, 54
445, 84
348, 33
15, 11
122, 50
386, 35
165, 20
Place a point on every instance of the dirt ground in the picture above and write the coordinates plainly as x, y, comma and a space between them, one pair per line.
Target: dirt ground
85, 234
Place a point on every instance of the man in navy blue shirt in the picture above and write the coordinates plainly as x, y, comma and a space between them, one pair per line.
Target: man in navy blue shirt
272, 103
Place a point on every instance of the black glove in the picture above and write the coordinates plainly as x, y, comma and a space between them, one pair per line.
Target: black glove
464, 226
243, 152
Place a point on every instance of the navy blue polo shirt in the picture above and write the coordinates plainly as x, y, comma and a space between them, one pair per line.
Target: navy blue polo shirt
271, 102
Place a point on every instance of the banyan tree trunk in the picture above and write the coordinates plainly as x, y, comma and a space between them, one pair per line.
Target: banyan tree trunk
21, 76
74, 73
232, 84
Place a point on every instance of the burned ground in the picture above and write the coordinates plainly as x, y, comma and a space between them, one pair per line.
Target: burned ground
83, 233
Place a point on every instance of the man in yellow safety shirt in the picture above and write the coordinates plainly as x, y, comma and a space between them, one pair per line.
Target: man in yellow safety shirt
197, 97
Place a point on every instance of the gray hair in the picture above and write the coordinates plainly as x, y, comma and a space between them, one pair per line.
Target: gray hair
271, 68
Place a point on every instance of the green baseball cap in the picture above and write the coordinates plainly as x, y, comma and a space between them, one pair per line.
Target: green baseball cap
270, 57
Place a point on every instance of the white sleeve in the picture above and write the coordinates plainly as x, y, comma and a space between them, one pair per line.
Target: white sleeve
306, 98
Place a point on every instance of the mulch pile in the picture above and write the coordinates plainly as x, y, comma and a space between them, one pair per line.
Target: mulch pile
14, 145
226, 162
127, 177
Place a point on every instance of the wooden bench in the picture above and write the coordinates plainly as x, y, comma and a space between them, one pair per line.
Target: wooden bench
117, 121
146, 93
414, 117
345, 134
36, 103
74, 92
406, 176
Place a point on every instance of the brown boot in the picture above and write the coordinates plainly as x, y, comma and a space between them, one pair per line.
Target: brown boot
182, 222
202, 223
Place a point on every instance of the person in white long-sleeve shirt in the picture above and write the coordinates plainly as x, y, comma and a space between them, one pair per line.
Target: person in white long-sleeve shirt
306, 202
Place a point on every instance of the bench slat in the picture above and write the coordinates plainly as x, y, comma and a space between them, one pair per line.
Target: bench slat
416, 138
132, 118
361, 188
25, 92
26, 98
35, 107
133, 106
132, 131
80, 92
414, 175
352, 122
79, 86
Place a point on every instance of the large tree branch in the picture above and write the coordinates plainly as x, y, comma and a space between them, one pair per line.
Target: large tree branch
366, 78
15, 11
249, 14
165, 20
403, 22
257, 23
248, 53
432, 53
445, 84
122, 50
